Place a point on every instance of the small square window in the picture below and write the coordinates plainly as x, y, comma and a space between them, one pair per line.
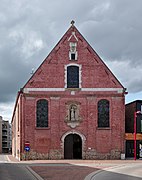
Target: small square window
73, 51
72, 56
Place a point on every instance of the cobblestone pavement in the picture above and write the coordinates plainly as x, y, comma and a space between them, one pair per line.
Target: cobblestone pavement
64, 172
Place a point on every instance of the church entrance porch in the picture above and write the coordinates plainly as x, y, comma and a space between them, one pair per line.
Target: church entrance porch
73, 147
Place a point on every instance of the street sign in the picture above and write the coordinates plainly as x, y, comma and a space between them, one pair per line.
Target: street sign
27, 148
27, 144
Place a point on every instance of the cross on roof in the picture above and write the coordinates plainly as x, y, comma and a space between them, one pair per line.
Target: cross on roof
72, 22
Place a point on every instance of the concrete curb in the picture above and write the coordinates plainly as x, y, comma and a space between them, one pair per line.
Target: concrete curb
91, 175
34, 173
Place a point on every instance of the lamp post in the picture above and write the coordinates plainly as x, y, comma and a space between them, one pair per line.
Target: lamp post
135, 133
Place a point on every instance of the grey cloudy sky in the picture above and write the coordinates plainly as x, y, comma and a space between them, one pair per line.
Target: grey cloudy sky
30, 29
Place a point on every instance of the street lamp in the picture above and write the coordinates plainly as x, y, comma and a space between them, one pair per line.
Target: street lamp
135, 132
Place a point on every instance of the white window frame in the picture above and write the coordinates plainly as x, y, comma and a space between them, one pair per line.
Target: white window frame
73, 50
76, 54
80, 72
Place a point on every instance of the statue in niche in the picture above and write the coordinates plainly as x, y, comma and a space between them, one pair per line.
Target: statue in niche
73, 118
73, 113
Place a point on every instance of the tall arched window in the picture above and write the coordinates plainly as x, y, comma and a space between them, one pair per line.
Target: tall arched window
103, 113
42, 113
72, 77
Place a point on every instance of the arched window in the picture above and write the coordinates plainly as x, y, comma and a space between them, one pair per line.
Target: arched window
72, 77
42, 113
103, 113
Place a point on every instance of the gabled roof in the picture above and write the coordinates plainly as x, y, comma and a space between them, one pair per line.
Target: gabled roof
74, 35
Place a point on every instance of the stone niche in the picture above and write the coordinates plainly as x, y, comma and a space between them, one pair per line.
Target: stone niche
73, 118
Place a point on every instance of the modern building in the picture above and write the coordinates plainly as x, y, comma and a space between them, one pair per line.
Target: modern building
133, 124
5, 136
0, 134
72, 107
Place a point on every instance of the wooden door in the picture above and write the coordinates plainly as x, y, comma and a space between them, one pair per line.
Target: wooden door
73, 147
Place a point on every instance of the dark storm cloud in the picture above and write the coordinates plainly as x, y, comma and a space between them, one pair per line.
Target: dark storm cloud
115, 28
30, 29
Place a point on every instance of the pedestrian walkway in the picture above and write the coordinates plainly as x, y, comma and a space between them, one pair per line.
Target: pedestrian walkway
3, 158
12, 159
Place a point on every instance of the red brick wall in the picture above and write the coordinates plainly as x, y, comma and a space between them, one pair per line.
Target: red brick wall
102, 141
94, 72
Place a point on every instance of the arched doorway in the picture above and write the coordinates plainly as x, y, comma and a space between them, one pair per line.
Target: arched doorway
73, 147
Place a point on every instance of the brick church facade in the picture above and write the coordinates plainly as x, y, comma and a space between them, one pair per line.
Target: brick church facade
72, 107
